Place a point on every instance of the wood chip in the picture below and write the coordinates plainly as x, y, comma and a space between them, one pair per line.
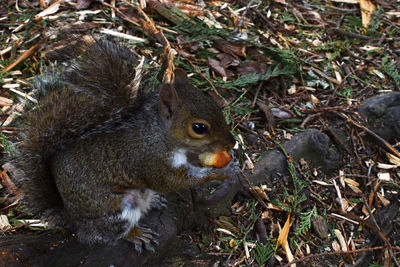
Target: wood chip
393, 159
53, 8
5, 102
384, 176
123, 35
342, 242
4, 224
353, 185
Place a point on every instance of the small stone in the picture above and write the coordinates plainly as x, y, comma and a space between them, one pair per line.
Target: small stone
320, 226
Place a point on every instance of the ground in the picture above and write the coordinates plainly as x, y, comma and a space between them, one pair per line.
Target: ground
277, 68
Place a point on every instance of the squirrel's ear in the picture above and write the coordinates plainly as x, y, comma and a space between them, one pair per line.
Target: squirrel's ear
180, 77
168, 102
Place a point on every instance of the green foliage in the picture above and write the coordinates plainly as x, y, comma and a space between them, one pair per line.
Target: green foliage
204, 53
354, 23
355, 200
287, 17
9, 147
305, 221
286, 57
252, 78
292, 201
345, 92
263, 252
151, 78
374, 26
200, 32
333, 49
390, 69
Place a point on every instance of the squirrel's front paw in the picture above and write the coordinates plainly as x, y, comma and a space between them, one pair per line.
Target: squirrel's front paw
142, 237
230, 169
158, 202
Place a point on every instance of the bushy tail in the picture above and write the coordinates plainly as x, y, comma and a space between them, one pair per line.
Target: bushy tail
93, 95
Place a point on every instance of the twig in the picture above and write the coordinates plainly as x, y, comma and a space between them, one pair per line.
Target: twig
351, 35
328, 109
336, 138
122, 15
158, 34
244, 15
336, 253
323, 75
253, 104
344, 218
254, 192
24, 56
337, 88
380, 231
377, 137
268, 115
308, 119
16, 227
209, 82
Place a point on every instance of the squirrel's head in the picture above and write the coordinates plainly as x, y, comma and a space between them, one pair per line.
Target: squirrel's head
192, 118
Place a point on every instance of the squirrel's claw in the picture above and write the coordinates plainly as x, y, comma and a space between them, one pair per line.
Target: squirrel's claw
159, 202
142, 237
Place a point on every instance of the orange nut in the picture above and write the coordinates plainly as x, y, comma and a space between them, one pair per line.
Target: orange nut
218, 159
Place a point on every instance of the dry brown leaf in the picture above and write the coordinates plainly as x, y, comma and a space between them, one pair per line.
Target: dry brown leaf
190, 10
292, 89
335, 246
265, 215
216, 66
314, 99
235, 50
252, 66
386, 166
393, 159
353, 185
5, 102
53, 8
8, 184
280, 113
260, 192
367, 8
273, 207
365, 211
384, 200
282, 238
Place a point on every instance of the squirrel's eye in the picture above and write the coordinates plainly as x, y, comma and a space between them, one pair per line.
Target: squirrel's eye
199, 129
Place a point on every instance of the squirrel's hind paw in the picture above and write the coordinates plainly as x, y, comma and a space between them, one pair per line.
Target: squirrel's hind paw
142, 237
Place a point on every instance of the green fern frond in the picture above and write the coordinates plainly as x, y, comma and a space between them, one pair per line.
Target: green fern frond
263, 253
390, 69
305, 221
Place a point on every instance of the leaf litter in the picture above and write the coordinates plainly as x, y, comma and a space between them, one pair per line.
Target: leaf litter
276, 67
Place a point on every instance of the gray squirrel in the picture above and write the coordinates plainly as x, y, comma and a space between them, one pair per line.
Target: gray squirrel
96, 154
